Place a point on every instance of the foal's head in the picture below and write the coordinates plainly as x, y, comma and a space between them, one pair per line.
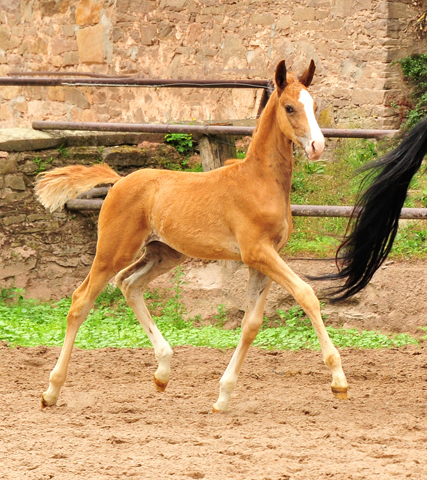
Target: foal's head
296, 109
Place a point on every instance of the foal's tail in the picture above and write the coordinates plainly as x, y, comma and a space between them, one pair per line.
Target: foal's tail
366, 247
53, 189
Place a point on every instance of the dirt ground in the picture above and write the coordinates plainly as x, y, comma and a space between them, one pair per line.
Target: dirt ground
283, 421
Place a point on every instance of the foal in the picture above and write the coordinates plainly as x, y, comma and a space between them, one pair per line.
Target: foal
238, 212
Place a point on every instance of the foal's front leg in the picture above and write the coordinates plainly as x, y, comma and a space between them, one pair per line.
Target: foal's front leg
267, 260
258, 287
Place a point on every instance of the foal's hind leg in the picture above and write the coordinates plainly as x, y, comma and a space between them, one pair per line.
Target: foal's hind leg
258, 287
83, 300
268, 261
159, 258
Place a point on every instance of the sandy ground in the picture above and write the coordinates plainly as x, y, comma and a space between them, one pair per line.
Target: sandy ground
283, 422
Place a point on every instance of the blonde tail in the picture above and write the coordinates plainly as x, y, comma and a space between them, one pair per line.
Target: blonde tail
53, 189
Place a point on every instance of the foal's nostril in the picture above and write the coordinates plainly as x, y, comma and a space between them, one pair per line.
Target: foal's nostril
313, 147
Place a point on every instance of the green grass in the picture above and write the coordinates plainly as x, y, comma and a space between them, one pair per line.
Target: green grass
335, 182
112, 323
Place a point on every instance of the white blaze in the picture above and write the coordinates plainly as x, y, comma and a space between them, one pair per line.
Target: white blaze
313, 142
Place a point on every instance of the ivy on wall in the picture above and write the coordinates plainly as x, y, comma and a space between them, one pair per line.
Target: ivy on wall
414, 68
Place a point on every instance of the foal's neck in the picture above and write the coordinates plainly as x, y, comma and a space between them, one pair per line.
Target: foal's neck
270, 152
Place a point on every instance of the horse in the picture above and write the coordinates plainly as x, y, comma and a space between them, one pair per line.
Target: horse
374, 221
237, 212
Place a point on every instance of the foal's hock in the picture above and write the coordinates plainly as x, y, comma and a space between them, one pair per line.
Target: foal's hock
238, 212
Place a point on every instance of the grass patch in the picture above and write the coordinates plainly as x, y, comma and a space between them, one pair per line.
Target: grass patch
112, 323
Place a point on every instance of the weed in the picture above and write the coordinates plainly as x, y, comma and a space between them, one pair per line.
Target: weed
11, 295
42, 164
182, 142
174, 309
414, 68
221, 316
63, 151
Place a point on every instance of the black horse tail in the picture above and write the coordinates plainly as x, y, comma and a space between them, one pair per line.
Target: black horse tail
375, 218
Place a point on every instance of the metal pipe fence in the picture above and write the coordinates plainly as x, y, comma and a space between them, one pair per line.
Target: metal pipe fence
90, 201
196, 129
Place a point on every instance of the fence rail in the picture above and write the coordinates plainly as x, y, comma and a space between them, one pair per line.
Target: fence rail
91, 201
196, 129
118, 81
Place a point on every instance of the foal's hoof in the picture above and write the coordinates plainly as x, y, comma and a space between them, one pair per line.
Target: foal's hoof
160, 386
215, 410
340, 392
45, 403
218, 408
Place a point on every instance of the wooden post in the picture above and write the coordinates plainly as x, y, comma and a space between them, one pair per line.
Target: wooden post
215, 150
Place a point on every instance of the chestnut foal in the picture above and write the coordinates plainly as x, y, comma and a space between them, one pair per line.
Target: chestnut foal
238, 212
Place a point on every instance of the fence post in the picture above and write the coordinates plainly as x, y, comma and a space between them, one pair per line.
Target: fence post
215, 150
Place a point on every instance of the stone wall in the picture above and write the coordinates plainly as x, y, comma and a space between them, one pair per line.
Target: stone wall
353, 43
49, 254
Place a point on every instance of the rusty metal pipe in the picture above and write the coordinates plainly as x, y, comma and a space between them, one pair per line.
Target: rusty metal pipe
86, 202
130, 82
346, 211
200, 129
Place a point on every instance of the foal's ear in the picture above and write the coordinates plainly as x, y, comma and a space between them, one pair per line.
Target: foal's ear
280, 77
308, 75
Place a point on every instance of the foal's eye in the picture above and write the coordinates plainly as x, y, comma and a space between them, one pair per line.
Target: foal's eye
289, 109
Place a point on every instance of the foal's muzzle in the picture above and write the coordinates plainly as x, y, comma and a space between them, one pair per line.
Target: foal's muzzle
315, 149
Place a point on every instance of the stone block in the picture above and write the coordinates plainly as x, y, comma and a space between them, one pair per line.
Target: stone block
24, 139
322, 14
41, 46
90, 44
70, 58
232, 46
18, 31
7, 166
68, 30
208, 52
399, 10
334, 25
61, 45
318, 3
6, 114
88, 12
56, 94
165, 29
148, 34
15, 182
74, 96
9, 92
262, 19
19, 104
134, 6
14, 219
7, 41
173, 5
358, 5
214, 10
342, 8
304, 14
284, 23
367, 96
